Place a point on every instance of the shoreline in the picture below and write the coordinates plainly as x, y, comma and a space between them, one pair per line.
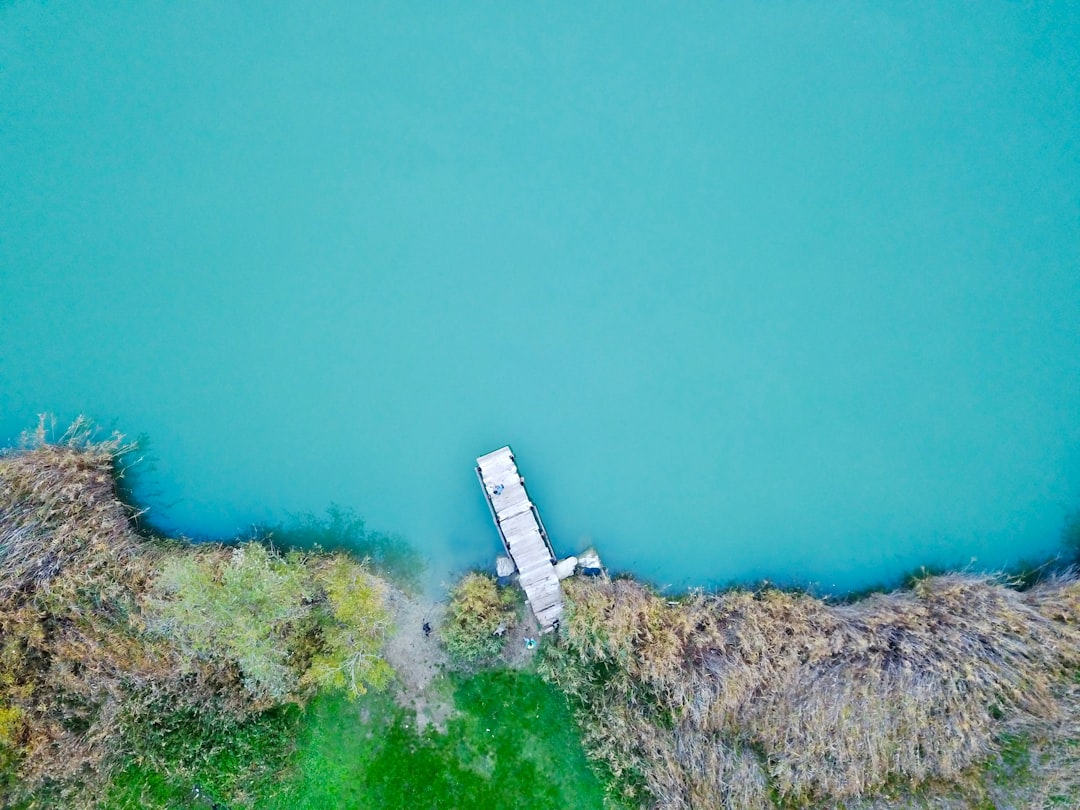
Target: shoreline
760, 680
435, 580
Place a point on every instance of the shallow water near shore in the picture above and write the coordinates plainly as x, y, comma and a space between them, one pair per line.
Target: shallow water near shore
788, 293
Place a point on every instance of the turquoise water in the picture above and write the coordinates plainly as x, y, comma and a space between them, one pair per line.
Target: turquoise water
760, 290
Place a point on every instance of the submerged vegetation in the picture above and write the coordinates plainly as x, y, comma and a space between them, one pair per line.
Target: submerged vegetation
389, 555
748, 699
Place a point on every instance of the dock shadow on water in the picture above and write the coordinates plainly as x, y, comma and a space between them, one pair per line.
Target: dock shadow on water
342, 529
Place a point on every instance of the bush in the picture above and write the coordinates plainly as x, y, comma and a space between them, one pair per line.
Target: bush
352, 629
287, 623
243, 609
477, 617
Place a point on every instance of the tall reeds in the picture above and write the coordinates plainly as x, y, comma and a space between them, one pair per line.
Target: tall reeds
725, 700
107, 637
70, 571
58, 506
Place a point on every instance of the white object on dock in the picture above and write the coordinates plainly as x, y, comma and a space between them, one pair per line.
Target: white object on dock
589, 559
504, 567
565, 568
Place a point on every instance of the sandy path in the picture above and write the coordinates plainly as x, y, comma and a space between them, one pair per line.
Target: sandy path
417, 658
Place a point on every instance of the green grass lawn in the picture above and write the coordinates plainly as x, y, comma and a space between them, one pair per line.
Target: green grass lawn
512, 744
195, 763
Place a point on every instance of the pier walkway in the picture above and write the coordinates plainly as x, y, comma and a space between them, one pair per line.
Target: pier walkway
523, 534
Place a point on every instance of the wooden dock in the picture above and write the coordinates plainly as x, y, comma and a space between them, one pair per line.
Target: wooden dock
523, 535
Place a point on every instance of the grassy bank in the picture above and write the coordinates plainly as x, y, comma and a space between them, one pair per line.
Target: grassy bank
511, 743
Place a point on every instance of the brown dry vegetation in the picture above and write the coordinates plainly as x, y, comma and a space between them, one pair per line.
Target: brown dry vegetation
745, 699
72, 660
94, 651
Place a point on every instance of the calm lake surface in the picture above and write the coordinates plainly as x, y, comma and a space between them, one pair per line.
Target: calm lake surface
786, 291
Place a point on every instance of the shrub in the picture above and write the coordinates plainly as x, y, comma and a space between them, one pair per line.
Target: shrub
242, 609
352, 629
287, 623
477, 617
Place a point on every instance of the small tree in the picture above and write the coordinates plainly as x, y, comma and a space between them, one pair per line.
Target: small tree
352, 629
477, 616
287, 623
241, 611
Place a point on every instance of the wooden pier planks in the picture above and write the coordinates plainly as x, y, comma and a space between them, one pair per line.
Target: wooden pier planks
523, 534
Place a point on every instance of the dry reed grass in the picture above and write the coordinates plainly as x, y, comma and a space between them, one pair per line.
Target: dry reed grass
732, 700
58, 508
98, 651
74, 662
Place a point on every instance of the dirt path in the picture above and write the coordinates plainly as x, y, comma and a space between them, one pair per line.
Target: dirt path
418, 658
